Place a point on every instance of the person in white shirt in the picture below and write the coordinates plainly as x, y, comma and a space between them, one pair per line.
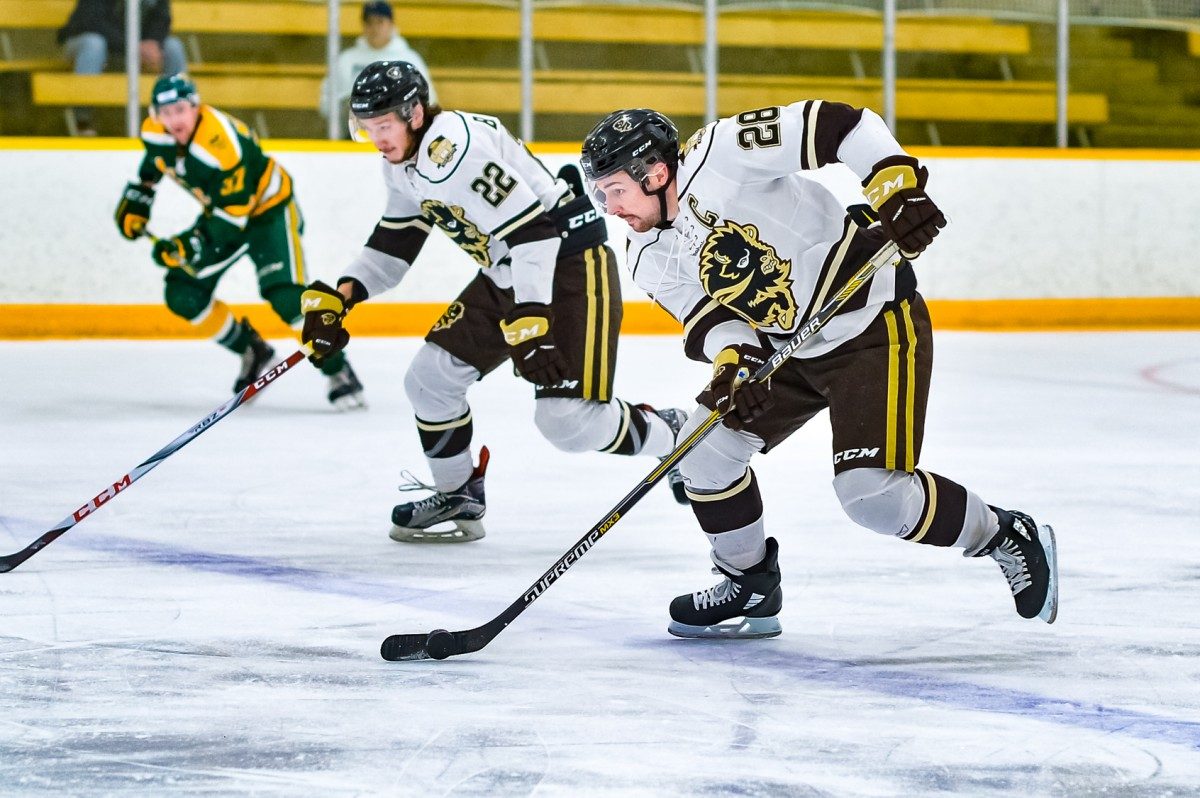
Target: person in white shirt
380, 41
730, 237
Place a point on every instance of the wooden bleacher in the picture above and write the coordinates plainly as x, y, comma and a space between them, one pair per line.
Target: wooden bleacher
590, 92
200, 69
582, 92
32, 64
234, 91
611, 24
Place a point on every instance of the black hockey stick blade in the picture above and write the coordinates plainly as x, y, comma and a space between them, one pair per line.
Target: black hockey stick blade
438, 644
401, 648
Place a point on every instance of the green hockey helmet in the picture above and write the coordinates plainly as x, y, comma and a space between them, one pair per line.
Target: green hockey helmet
172, 89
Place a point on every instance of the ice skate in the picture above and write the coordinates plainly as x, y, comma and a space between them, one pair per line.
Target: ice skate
345, 391
753, 596
255, 359
1028, 556
675, 419
462, 508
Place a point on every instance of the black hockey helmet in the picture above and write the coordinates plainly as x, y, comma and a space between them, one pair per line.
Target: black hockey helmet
630, 140
388, 86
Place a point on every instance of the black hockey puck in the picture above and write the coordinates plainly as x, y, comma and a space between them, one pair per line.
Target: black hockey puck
439, 644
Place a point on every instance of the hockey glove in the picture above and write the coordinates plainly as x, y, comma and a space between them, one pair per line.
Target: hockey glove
324, 308
731, 392
896, 190
183, 251
531, 344
133, 211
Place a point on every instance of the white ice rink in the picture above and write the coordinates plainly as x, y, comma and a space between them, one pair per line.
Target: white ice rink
215, 629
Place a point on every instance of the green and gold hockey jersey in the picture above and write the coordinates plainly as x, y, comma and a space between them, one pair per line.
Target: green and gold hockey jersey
224, 166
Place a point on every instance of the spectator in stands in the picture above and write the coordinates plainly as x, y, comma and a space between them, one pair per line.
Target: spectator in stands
96, 28
381, 41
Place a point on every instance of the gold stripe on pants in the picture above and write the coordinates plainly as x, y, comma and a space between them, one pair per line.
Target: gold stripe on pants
589, 340
898, 413
605, 326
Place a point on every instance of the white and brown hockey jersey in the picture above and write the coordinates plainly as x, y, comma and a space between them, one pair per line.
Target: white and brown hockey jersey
757, 245
483, 189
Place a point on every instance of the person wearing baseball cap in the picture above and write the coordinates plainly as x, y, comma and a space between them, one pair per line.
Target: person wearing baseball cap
380, 41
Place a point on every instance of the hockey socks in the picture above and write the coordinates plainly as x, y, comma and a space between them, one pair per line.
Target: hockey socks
641, 430
447, 446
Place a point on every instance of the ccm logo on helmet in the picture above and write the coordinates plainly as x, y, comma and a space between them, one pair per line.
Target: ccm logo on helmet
641, 149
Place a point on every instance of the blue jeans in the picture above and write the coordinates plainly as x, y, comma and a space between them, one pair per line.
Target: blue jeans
89, 52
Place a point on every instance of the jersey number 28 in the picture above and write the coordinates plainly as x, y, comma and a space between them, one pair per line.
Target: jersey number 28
759, 128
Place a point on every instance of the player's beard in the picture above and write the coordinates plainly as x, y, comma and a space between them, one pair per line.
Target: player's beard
641, 224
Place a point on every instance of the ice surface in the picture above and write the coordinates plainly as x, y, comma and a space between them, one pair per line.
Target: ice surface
215, 629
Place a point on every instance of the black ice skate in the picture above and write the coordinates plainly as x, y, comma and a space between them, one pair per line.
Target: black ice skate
255, 359
753, 595
462, 507
675, 419
1028, 555
345, 391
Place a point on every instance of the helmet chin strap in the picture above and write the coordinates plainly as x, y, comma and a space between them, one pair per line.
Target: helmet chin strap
663, 222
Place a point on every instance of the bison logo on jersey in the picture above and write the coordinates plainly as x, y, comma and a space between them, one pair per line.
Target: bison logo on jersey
453, 221
746, 275
453, 313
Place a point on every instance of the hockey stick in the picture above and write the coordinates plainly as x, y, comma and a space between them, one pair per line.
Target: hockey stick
11, 561
440, 643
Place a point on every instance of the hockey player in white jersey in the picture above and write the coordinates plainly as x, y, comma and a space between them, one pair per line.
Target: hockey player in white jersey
742, 248
547, 295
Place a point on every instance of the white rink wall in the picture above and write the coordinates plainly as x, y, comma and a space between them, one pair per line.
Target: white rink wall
1024, 225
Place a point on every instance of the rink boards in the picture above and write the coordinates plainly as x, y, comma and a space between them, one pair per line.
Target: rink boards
1038, 239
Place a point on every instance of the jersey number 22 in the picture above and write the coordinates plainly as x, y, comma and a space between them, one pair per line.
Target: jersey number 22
495, 185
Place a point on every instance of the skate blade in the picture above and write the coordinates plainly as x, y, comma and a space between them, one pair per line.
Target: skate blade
350, 403
1050, 609
748, 629
464, 531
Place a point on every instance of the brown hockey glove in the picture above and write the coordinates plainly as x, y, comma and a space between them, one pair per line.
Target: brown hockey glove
535, 356
731, 392
324, 308
896, 190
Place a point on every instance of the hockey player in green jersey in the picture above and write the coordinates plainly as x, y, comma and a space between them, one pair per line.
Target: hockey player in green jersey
249, 209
